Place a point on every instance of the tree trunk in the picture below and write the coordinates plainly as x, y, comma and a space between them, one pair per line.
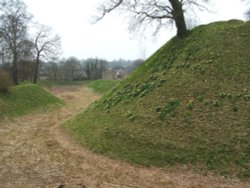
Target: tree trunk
36, 69
14, 69
179, 19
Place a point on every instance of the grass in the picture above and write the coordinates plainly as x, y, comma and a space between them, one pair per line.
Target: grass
99, 86
188, 104
103, 86
24, 99
52, 83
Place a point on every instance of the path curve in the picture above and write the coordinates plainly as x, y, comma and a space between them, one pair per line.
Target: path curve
36, 153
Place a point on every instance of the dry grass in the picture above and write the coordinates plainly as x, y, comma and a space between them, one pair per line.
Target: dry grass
35, 152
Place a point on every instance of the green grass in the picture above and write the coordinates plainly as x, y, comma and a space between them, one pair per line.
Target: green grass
24, 99
52, 83
103, 86
188, 104
99, 86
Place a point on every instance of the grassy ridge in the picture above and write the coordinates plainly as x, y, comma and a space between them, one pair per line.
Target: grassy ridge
24, 99
52, 83
187, 104
99, 86
103, 86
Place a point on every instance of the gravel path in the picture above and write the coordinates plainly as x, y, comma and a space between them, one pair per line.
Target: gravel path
36, 153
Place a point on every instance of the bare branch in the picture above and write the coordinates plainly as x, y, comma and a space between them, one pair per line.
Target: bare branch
196, 3
45, 45
106, 10
154, 12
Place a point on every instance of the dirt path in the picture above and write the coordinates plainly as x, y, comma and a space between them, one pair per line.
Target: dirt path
34, 152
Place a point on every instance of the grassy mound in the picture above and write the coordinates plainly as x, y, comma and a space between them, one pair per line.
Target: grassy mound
187, 104
53, 83
24, 99
103, 86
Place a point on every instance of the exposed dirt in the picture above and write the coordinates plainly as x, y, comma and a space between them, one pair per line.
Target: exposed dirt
35, 152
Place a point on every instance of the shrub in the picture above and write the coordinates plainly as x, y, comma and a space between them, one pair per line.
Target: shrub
5, 81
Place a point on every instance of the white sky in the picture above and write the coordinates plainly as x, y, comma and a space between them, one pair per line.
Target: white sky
109, 38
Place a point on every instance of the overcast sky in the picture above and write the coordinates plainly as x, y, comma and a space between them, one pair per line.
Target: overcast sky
109, 38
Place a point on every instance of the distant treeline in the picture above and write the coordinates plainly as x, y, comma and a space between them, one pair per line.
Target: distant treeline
89, 69
73, 69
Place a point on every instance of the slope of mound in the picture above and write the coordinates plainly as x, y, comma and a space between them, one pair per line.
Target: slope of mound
103, 86
188, 104
26, 98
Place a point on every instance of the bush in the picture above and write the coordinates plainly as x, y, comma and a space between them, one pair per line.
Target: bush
5, 81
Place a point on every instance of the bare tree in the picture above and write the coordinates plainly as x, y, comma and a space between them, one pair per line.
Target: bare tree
157, 12
13, 28
47, 45
53, 70
71, 68
248, 11
94, 68
26, 50
5, 53
26, 60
